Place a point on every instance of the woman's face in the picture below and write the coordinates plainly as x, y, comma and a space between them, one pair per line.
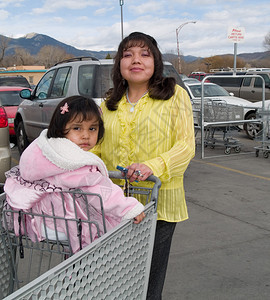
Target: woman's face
137, 65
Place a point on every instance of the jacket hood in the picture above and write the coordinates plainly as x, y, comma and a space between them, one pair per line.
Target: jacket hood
49, 157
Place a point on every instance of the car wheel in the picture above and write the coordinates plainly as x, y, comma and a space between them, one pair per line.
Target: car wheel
22, 141
252, 129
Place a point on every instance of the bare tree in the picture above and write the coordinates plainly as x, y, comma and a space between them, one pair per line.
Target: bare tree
266, 42
4, 41
50, 55
222, 61
23, 57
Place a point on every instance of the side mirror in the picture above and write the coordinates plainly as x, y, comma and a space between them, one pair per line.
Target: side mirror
25, 94
231, 94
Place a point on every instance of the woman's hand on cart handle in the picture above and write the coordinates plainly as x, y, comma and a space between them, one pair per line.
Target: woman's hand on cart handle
138, 172
139, 218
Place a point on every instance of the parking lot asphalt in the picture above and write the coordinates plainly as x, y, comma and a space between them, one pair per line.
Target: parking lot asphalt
223, 251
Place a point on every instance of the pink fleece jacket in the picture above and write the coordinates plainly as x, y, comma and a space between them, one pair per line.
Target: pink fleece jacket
48, 166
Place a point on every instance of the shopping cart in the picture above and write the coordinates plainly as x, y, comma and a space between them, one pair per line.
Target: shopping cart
264, 134
219, 122
114, 266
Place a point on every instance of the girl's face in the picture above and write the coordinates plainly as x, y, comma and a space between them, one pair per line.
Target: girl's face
137, 65
83, 133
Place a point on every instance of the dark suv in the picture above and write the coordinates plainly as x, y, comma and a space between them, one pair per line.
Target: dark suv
84, 76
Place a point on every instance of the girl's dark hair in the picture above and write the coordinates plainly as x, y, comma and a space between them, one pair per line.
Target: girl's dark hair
161, 88
84, 107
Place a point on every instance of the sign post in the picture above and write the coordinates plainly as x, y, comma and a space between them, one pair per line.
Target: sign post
236, 35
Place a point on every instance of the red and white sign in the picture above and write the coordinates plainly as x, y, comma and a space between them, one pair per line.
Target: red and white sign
236, 34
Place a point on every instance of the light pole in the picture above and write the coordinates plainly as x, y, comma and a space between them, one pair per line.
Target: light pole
121, 2
178, 51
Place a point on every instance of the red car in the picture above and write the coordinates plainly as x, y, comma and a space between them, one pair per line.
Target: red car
10, 99
5, 155
198, 75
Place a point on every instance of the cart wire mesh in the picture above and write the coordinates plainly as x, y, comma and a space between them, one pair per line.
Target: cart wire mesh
114, 266
219, 117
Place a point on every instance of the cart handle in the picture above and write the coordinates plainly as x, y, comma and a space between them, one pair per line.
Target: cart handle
152, 178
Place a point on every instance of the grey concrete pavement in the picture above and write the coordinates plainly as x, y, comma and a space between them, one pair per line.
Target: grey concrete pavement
223, 251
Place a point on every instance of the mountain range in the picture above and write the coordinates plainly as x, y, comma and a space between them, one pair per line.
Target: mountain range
33, 42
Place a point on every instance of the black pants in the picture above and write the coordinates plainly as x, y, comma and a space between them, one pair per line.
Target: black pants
162, 246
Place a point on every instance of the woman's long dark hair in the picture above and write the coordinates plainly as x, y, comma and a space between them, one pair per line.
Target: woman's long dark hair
161, 88
84, 107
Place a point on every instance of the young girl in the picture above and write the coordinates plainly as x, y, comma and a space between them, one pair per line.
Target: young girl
58, 160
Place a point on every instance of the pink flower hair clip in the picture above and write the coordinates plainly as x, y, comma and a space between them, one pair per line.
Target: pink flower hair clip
64, 108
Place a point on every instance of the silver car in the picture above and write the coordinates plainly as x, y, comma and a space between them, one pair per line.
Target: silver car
84, 76
5, 154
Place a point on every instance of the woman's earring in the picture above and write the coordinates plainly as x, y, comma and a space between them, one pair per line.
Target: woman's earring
123, 81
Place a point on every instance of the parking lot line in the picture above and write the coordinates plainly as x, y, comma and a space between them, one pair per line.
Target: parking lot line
232, 170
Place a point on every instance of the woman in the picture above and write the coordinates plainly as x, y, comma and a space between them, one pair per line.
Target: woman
149, 129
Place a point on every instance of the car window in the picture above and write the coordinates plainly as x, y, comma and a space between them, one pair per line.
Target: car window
247, 81
196, 91
106, 79
14, 81
42, 89
10, 98
103, 80
169, 71
266, 79
209, 91
95, 80
201, 77
215, 90
86, 80
61, 82
258, 81
227, 81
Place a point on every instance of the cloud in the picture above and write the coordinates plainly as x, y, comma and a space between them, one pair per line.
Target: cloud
3, 14
147, 7
52, 5
103, 11
205, 2
83, 18
9, 3
181, 2
59, 20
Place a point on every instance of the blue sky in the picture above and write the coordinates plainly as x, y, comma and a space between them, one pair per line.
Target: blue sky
96, 24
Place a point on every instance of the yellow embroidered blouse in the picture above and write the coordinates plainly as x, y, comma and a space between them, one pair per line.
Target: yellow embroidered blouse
159, 134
